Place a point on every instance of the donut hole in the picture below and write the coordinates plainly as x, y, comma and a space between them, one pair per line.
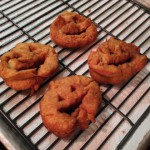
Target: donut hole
18, 65
38, 63
78, 33
21, 62
121, 63
69, 110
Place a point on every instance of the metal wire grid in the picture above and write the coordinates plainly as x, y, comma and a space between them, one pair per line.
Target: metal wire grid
29, 21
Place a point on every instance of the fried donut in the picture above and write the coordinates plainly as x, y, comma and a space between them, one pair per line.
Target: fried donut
115, 61
71, 30
27, 65
70, 102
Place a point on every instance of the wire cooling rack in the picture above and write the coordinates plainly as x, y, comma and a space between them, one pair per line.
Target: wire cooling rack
119, 115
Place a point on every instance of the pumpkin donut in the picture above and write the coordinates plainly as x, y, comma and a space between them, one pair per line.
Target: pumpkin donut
70, 102
115, 61
71, 30
27, 65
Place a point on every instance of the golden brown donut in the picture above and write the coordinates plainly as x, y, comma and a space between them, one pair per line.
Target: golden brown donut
71, 30
70, 102
115, 61
27, 65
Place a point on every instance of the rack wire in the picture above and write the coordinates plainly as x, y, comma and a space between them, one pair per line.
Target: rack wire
29, 21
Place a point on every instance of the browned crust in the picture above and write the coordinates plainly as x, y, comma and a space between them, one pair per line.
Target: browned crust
115, 61
72, 30
27, 65
78, 93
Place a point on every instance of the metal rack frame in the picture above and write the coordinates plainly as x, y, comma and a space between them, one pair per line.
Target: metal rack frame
106, 102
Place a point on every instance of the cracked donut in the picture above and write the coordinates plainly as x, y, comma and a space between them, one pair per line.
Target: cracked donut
115, 61
70, 102
27, 65
71, 30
